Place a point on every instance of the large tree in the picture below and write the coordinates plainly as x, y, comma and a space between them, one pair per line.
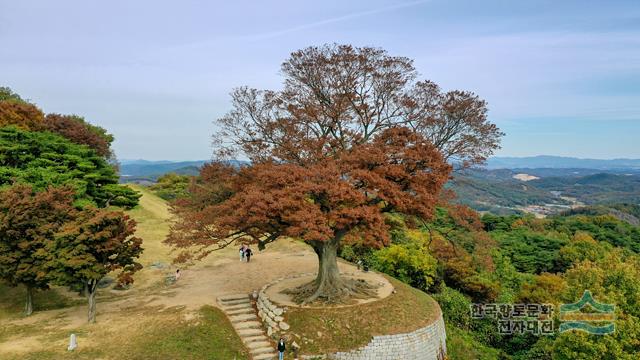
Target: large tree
95, 243
345, 141
28, 221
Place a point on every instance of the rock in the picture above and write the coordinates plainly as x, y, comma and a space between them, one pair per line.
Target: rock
283, 325
105, 282
278, 311
269, 331
73, 342
158, 265
278, 318
170, 279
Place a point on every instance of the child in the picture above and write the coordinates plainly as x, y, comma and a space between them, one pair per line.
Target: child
242, 252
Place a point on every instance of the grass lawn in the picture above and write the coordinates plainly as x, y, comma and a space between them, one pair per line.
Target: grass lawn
320, 331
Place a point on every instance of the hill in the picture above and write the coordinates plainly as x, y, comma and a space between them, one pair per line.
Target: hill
545, 161
156, 319
145, 171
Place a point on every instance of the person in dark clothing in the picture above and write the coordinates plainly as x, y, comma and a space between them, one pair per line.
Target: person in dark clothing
248, 253
281, 349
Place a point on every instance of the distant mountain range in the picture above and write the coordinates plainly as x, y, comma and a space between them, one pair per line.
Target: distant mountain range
560, 162
150, 171
153, 169
142, 168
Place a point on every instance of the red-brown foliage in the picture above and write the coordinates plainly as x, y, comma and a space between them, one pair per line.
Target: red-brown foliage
79, 131
342, 143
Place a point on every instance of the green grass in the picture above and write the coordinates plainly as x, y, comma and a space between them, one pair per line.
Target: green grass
210, 337
340, 329
462, 346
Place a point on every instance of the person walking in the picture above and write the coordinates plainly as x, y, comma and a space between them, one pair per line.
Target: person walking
248, 253
242, 252
281, 349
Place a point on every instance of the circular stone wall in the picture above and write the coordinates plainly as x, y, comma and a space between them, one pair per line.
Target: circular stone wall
275, 295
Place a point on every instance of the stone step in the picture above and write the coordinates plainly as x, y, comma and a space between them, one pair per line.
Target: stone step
233, 297
247, 325
259, 344
242, 317
227, 308
261, 350
265, 356
235, 302
257, 338
249, 332
239, 311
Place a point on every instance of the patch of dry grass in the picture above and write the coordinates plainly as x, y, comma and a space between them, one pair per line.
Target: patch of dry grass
320, 331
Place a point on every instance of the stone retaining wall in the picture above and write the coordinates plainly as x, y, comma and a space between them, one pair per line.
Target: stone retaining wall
427, 343
271, 314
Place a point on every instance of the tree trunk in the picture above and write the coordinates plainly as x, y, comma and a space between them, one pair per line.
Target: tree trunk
328, 272
91, 298
328, 286
28, 307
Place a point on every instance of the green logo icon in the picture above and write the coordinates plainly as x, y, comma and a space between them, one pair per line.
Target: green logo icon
600, 321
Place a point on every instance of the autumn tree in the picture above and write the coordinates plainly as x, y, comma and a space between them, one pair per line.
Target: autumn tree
455, 122
339, 146
78, 130
28, 222
20, 113
95, 243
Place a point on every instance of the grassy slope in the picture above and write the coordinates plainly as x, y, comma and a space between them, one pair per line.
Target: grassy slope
329, 330
133, 332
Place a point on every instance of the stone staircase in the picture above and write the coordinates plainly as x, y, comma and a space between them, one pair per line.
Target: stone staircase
246, 323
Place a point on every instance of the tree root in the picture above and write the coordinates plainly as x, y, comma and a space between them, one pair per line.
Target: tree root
337, 292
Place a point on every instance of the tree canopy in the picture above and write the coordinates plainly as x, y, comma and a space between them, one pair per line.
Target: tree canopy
79, 131
95, 243
28, 221
27, 116
348, 139
45, 159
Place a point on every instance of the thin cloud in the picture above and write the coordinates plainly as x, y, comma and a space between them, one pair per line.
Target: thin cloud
273, 34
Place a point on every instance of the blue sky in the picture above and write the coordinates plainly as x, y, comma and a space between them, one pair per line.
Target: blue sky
561, 77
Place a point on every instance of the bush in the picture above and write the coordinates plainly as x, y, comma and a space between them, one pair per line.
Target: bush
455, 307
408, 263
